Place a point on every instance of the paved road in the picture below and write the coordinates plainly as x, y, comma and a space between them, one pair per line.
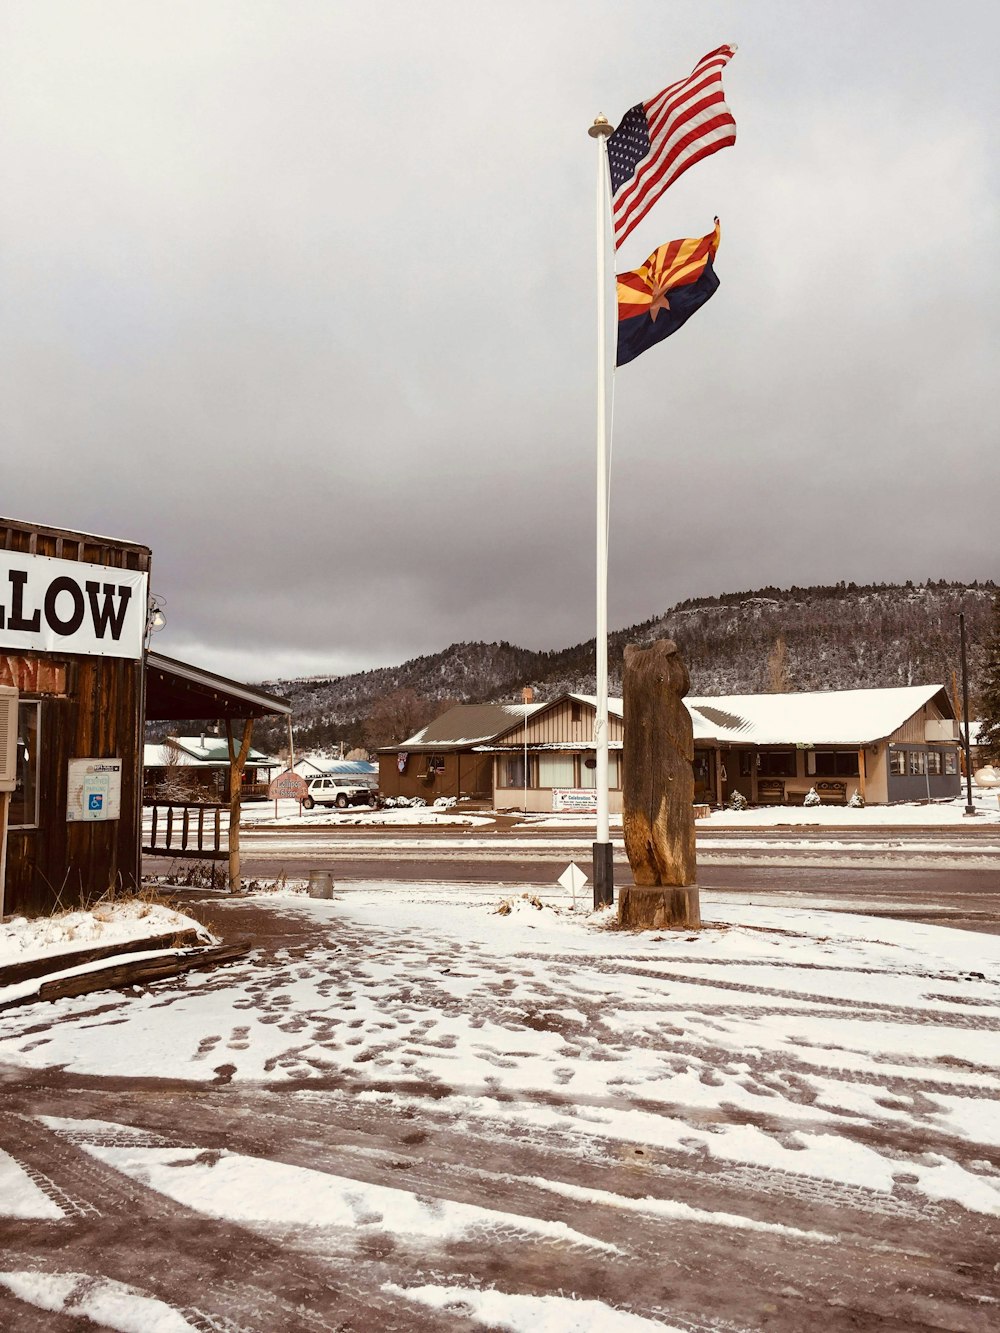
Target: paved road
945, 875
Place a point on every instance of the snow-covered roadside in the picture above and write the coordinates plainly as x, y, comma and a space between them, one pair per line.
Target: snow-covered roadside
290, 815
904, 814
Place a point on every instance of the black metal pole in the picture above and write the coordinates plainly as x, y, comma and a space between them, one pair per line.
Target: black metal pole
970, 809
604, 875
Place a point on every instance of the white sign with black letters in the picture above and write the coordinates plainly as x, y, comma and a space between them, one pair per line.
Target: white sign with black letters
93, 790
67, 606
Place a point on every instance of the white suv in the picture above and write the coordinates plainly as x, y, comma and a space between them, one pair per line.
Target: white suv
341, 791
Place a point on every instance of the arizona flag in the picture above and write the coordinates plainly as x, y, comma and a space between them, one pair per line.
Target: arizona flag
655, 299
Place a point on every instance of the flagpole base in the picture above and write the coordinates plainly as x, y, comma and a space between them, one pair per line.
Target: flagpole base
604, 875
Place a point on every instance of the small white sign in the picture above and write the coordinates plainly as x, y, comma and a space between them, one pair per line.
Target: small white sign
94, 790
573, 879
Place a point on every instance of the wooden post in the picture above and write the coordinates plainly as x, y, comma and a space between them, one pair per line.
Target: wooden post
237, 763
861, 773
658, 792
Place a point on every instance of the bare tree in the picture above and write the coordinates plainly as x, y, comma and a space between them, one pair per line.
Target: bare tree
778, 679
177, 784
396, 716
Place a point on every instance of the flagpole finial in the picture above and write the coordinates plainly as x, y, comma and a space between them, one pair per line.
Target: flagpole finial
601, 128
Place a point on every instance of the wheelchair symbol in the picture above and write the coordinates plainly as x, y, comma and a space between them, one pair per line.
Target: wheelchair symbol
95, 801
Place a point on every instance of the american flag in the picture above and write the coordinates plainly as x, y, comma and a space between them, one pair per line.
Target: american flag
658, 140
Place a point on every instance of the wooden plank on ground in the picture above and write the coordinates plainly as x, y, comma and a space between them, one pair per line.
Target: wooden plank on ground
13, 973
142, 971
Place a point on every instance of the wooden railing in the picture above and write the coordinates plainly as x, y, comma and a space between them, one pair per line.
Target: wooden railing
186, 828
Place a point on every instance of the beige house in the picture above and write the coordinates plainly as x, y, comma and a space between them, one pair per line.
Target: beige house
548, 761
897, 744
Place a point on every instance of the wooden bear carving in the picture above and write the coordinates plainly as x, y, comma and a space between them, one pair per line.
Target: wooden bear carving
658, 784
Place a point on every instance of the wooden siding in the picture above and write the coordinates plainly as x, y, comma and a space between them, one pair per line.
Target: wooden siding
913, 729
465, 773
97, 713
555, 726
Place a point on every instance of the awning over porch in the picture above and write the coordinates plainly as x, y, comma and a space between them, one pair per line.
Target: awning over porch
177, 691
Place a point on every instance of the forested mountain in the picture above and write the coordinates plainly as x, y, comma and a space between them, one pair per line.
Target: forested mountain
840, 637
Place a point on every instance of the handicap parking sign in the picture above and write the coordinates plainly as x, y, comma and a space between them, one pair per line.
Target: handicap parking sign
95, 801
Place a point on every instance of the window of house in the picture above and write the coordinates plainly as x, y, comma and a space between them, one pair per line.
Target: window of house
575, 712
514, 771
834, 763
556, 770
916, 763
23, 809
897, 763
951, 762
746, 763
933, 763
776, 763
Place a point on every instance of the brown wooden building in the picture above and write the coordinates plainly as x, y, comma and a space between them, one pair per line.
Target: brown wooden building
73, 614
442, 759
74, 645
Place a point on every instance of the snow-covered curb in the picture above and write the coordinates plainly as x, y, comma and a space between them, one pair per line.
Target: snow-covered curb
22, 938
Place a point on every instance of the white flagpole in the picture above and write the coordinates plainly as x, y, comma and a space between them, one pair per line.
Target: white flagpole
603, 867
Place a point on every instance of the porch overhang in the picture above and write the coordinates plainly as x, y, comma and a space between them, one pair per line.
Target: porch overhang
177, 691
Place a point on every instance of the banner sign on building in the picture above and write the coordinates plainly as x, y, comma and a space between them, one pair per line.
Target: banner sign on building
67, 606
575, 800
94, 790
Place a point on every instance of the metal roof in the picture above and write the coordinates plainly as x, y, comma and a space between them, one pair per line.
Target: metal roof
464, 725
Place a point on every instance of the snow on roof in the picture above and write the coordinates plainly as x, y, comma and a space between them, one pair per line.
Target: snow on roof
325, 765
467, 724
824, 717
820, 717
205, 750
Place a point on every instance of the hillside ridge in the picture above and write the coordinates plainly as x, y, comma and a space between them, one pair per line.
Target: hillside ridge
839, 636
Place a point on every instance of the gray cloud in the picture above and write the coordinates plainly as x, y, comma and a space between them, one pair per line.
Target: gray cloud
303, 297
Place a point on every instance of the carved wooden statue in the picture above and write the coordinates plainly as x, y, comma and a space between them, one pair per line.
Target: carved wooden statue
658, 791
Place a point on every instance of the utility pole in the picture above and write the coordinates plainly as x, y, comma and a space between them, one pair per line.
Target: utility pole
970, 809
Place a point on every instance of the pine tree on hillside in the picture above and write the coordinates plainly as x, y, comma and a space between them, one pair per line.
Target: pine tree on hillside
989, 691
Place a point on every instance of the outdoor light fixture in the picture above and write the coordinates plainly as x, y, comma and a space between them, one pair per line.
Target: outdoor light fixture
155, 616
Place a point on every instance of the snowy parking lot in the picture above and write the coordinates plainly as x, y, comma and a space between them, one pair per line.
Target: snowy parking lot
413, 1111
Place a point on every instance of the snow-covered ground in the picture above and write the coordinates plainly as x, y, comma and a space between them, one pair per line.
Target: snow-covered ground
681, 1022
902, 814
261, 815
771, 1071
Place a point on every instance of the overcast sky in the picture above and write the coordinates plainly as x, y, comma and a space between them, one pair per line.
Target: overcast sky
302, 296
